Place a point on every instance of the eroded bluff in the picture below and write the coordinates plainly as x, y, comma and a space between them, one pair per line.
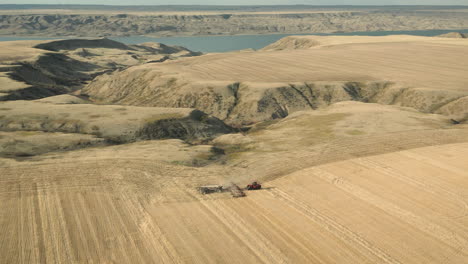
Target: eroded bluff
229, 23
244, 103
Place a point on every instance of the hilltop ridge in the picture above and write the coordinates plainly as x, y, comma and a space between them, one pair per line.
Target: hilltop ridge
62, 66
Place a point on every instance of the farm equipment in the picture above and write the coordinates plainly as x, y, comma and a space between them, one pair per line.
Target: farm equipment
210, 189
233, 188
254, 186
236, 192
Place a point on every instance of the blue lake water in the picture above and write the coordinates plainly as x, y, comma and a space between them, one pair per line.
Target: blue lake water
239, 42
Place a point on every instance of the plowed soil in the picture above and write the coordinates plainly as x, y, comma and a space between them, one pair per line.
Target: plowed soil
402, 207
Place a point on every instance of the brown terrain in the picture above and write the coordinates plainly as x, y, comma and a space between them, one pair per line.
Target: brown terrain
99, 21
301, 73
37, 69
360, 143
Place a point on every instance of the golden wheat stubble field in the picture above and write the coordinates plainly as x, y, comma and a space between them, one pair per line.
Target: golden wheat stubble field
436, 63
401, 207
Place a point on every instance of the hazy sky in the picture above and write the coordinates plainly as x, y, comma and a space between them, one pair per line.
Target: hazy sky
242, 2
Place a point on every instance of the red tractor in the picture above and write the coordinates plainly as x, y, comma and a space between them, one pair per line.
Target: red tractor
254, 186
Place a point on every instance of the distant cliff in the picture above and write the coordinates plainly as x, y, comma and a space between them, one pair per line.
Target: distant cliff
225, 24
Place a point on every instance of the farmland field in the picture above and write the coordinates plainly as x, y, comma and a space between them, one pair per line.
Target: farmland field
401, 207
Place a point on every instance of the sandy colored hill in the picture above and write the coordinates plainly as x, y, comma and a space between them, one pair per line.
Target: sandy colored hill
73, 44
299, 73
454, 35
37, 69
25, 144
64, 99
342, 131
67, 123
111, 122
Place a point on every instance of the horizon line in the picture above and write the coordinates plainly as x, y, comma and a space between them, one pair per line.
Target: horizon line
253, 5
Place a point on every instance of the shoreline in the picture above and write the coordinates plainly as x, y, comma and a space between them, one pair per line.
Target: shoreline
325, 33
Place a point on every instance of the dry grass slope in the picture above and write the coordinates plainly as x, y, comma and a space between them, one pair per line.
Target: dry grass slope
111, 122
300, 73
37, 69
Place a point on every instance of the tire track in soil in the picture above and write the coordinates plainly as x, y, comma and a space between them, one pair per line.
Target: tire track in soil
256, 242
298, 246
332, 226
151, 231
65, 241
81, 248
430, 188
433, 162
449, 238
198, 243
116, 216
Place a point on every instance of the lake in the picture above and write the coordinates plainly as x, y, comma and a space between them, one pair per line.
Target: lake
239, 42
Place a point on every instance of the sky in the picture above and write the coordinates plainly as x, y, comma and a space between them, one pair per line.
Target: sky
241, 2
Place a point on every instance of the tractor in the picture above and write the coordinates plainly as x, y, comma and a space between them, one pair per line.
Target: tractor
254, 186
